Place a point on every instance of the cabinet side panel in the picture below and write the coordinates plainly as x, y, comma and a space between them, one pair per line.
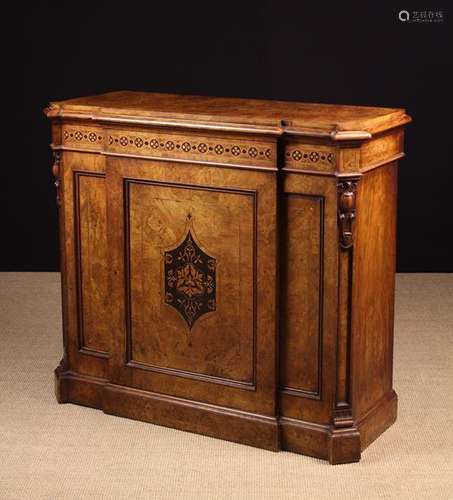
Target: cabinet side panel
301, 301
373, 287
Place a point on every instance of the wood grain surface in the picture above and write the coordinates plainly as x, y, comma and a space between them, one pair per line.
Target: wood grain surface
263, 115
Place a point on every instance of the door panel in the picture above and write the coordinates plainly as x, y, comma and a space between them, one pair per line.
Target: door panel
92, 265
194, 250
302, 297
191, 294
85, 269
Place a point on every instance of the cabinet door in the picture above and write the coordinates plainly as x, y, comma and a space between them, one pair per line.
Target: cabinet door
308, 303
193, 260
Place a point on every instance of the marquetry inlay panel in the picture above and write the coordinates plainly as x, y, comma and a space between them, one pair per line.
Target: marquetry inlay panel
310, 156
190, 280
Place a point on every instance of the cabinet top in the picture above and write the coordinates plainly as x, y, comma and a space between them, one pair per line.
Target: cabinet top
223, 113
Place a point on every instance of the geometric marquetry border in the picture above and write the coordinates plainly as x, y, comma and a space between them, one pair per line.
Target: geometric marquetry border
171, 145
190, 147
313, 157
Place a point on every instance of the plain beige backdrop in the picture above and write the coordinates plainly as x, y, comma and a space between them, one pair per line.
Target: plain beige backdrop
51, 451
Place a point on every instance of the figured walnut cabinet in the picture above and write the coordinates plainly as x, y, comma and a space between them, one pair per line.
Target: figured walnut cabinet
228, 266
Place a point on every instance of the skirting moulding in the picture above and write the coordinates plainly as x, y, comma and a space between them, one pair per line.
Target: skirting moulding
228, 266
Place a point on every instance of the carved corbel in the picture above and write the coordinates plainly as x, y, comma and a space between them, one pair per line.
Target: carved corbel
347, 190
56, 174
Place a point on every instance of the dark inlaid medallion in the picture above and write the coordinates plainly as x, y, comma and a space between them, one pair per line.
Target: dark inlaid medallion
190, 280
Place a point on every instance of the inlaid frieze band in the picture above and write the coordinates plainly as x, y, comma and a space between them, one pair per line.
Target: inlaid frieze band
155, 144
194, 148
313, 157
83, 137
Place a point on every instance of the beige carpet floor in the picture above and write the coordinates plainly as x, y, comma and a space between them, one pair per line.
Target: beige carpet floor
51, 451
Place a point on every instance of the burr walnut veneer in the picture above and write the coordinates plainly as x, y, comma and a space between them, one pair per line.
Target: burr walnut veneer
228, 266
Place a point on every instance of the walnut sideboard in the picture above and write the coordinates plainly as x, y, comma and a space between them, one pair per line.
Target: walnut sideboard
228, 266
